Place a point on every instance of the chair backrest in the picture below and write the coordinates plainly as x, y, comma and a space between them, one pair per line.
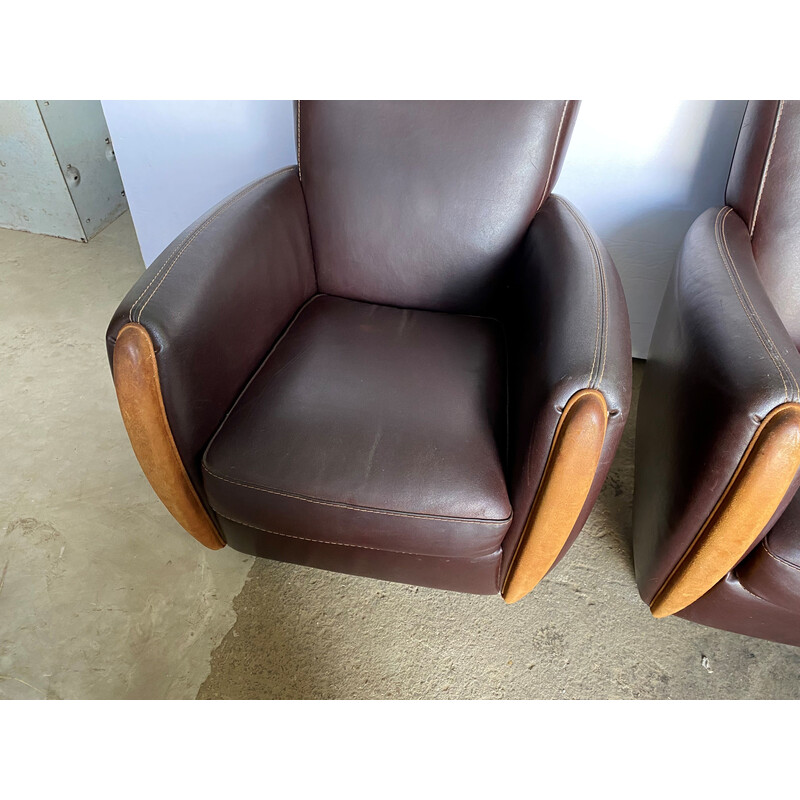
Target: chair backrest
764, 189
419, 204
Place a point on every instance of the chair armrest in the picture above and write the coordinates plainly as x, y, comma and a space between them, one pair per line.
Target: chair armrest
206, 313
718, 434
569, 388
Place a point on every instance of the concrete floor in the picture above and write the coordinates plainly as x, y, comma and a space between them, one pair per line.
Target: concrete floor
102, 595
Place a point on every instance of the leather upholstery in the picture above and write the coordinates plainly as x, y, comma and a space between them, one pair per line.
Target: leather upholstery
775, 223
370, 353
373, 427
568, 330
459, 184
142, 405
772, 570
721, 360
215, 300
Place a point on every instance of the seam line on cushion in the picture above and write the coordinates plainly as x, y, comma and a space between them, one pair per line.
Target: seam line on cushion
553, 158
595, 373
778, 558
766, 166
346, 544
751, 313
349, 507
181, 248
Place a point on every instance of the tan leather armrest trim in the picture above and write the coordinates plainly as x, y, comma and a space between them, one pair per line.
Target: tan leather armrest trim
752, 496
139, 396
568, 477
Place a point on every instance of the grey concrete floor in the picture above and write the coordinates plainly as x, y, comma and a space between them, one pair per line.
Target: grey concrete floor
582, 633
102, 595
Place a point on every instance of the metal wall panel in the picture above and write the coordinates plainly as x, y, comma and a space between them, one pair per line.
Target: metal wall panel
79, 135
33, 195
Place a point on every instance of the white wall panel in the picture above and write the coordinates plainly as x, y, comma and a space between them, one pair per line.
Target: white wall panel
641, 171
180, 158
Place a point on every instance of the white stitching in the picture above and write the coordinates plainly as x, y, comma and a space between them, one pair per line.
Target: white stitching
346, 544
196, 233
755, 312
599, 283
778, 558
299, 171
167, 260
766, 167
719, 228
555, 150
348, 507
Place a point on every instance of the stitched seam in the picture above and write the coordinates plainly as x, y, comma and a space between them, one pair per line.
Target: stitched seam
358, 508
766, 167
553, 158
299, 170
346, 544
778, 558
600, 286
752, 594
196, 233
719, 228
164, 265
789, 372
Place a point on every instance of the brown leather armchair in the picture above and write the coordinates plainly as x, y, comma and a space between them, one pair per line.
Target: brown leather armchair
401, 358
716, 521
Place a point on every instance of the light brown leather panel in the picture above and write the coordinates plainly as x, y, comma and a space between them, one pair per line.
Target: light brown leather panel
568, 475
139, 395
755, 491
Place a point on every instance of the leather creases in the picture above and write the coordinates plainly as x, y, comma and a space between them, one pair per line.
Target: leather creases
568, 476
139, 395
759, 484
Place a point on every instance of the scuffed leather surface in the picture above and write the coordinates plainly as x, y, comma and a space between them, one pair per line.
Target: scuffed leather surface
567, 328
731, 607
476, 575
776, 231
772, 570
720, 361
420, 204
139, 396
750, 158
374, 427
216, 299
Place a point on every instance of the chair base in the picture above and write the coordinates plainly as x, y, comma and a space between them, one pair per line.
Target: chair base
730, 607
480, 575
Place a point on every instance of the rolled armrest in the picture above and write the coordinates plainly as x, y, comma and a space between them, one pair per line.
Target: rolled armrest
569, 388
718, 435
198, 323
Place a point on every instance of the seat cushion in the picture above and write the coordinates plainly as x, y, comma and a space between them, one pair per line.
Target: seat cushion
374, 427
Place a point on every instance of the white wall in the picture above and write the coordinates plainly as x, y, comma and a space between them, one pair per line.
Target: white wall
641, 172
179, 158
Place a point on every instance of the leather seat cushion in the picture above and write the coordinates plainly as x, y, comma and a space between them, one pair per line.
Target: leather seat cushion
772, 570
374, 427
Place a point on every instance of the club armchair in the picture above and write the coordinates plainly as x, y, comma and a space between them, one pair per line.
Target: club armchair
400, 358
716, 520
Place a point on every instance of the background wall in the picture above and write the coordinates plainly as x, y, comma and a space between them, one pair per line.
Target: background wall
641, 172
180, 158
